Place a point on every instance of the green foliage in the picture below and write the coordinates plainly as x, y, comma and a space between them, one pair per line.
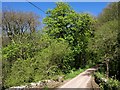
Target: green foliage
109, 13
105, 39
21, 72
49, 58
73, 73
105, 45
75, 28
107, 84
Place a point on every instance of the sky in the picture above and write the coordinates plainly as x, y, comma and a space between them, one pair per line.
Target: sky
94, 8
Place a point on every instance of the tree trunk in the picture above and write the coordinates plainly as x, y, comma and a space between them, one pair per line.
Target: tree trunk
107, 65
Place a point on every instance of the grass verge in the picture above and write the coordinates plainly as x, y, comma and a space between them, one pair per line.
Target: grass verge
73, 74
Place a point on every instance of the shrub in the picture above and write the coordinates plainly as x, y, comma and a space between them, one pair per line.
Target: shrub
49, 60
107, 84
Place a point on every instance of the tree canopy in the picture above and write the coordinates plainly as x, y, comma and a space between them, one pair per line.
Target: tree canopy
76, 28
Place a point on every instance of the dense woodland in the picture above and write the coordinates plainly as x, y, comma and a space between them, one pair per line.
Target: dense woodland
69, 41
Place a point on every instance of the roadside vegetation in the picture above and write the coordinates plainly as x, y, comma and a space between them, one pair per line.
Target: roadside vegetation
106, 84
68, 44
73, 73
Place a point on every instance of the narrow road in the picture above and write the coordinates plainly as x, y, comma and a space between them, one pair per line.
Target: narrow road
83, 80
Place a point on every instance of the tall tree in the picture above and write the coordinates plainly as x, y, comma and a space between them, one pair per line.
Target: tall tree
17, 23
106, 39
63, 22
109, 13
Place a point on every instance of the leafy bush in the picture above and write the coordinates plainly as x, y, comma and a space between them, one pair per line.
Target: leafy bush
107, 84
21, 72
50, 58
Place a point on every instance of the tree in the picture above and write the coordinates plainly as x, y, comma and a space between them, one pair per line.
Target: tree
63, 22
105, 44
17, 23
109, 13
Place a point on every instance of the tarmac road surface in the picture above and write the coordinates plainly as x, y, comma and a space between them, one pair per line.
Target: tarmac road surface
80, 81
